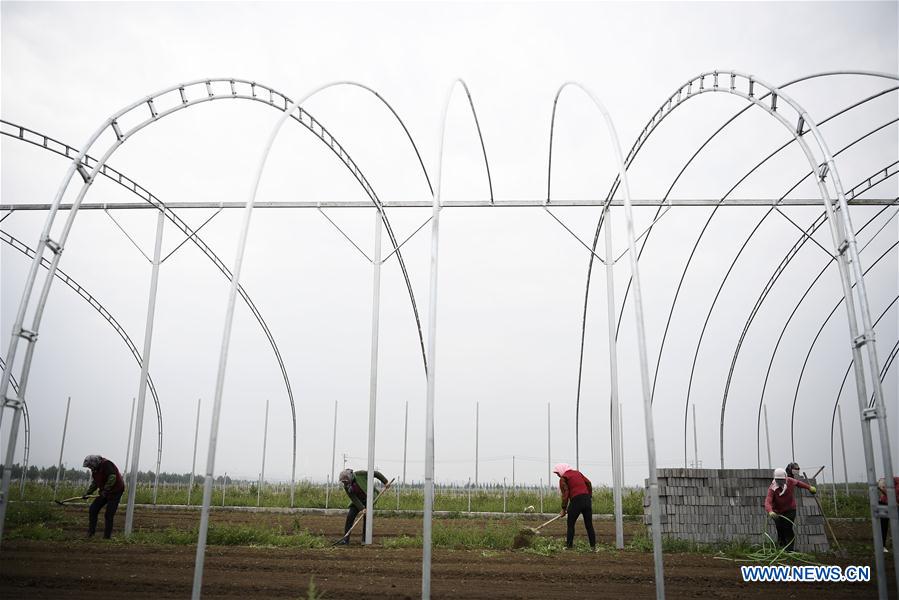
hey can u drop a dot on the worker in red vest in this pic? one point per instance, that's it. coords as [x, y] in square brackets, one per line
[577, 500]
[106, 478]
[885, 523]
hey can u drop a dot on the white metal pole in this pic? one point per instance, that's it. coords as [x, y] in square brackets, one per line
[333, 457]
[767, 437]
[548, 446]
[432, 370]
[843, 448]
[621, 437]
[193, 462]
[144, 373]
[264, 445]
[613, 381]
[128, 446]
[695, 441]
[477, 433]
[405, 441]
[373, 380]
[62, 445]
[469, 494]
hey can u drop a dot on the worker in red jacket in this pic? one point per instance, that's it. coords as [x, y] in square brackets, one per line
[885, 523]
[780, 504]
[577, 500]
[106, 478]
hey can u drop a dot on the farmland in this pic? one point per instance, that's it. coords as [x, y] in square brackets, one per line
[281, 553]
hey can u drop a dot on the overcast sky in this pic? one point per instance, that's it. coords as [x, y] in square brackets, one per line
[511, 280]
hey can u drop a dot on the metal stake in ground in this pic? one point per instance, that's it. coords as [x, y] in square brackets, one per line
[62, 445]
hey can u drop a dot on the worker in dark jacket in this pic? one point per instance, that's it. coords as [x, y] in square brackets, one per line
[355, 484]
[780, 504]
[885, 523]
[793, 470]
[107, 479]
[577, 500]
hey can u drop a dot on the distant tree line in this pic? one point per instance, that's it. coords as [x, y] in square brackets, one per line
[35, 473]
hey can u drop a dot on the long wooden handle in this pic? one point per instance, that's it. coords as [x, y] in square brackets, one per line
[547, 523]
[821, 508]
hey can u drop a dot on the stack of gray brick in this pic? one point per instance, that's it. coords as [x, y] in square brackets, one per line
[724, 505]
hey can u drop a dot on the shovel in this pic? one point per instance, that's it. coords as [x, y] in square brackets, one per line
[63, 502]
[362, 513]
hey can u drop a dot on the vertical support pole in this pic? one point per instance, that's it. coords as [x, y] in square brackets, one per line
[469, 494]
[477, 432]
[62, 445]
[264, 445]
[333, 456]
[548, 446]
[696, 440]
[843, 448]
[373, 380]
[513, 472]
[193, 462]
[128, 446]
[767, 436]
[504, 494]
[431, 389]
[405, 445]
[144, 372]
[621, 451]
[613, 380]
[833, 492]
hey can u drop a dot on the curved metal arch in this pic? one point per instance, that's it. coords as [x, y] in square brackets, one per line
[815, 341]
[889, 362]
[641, 333]
[27, 422]
[780, 338]
[798, 245]
[672, 102]
[113, 322]
[858, 190]
[747, 91]
[85, 161]
[752, 233]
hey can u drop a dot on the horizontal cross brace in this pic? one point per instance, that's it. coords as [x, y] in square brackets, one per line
[696, 202]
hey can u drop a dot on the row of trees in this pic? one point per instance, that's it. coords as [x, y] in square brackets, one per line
[35, 473]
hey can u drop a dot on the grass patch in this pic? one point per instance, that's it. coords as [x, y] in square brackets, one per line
[403, 541]
[30, 514]
[490, 536]
[36, 531]
[228, 535]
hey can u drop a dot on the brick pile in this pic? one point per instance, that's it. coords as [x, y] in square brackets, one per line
[723, 505]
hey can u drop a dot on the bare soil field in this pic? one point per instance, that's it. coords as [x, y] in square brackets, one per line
[79, 568]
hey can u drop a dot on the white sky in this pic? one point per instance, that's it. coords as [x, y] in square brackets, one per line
[511, 280]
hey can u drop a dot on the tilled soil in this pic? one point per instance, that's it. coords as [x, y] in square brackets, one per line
[88, 569]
